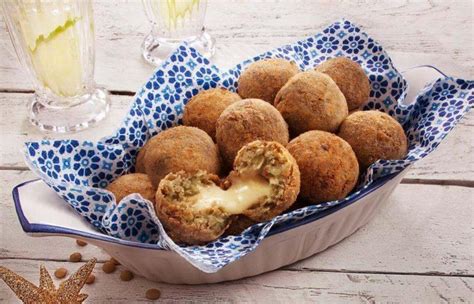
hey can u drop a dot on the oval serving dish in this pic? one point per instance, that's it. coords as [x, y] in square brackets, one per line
[43, 213]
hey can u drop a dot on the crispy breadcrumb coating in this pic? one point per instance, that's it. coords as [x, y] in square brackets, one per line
[328, 166]
[350, 78]
[245, 121]
[263, 79]
[374, 135]
[132, 183]
[203, 110]
[311, 101]
[181, 148]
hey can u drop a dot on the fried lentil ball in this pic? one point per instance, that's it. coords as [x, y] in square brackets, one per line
[350, 78]
[140, 160]
[263, 79]
[196, 208]
[181, 148]
[273, 162]
[374, 135]
[245, 121]
[203, 110]
[328, 166]
[174, 200]
[239, 224]
[311, 101]
[132, 183]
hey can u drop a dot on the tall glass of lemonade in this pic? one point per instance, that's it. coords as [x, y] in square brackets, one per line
[54, 40]
[175, 21]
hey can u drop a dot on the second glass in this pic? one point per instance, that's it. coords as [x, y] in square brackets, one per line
[175, 21]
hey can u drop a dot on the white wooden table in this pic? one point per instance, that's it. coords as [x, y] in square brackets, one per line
[413, 251]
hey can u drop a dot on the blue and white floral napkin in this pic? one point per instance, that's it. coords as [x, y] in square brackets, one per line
[78, 171]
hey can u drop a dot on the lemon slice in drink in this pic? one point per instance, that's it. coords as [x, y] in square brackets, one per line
[53, 42]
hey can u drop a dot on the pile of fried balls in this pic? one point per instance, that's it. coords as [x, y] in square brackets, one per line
[286, 139]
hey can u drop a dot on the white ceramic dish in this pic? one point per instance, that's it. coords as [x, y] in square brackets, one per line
[43, 213]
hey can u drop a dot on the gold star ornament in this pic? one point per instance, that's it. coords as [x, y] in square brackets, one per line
[46, 292]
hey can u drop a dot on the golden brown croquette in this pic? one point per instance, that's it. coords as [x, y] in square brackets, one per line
[181, 148]
[203, 110]
[328, 166]
[263, 79]
[176, 195]
[350, 78]
[198, 208]
[132, 183]
[271, 161]
[245, 121]
[374, 135]
[311, 101]
[239, 224]
[140, 160]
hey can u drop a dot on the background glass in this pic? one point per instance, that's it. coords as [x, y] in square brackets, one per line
[175, 21]
[54, 40]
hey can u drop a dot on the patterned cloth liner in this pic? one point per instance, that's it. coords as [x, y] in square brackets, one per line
[78, 171]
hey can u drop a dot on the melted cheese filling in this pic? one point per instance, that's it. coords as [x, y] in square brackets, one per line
[244, 192]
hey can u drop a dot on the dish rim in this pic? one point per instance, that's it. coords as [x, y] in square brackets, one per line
[53, 229]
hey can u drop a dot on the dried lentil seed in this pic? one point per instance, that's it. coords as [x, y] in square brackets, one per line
[90, 279]
[75, 257]
[81, 243]
[126, 275]
[108, 267]
[60, 273]
[153, 294]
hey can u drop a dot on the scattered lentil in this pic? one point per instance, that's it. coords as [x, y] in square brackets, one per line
[75, 257]
[60, 273]
[108, 267]
[81, 243]
[114, 261]
[90, 279]
[126, 275]
[153, 294]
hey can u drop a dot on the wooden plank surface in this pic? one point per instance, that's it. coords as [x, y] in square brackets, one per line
[454, 159]
[281, 286]
[16, 129]
[435, 32]
[419, 249]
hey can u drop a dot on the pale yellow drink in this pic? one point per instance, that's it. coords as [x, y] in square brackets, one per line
[174, 22]
[53, 43]
[174, 14]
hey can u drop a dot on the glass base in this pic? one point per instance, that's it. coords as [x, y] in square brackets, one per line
[156, 49]
[85, 111]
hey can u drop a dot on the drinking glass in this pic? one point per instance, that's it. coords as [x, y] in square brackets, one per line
[175, 21]
[54, 41]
